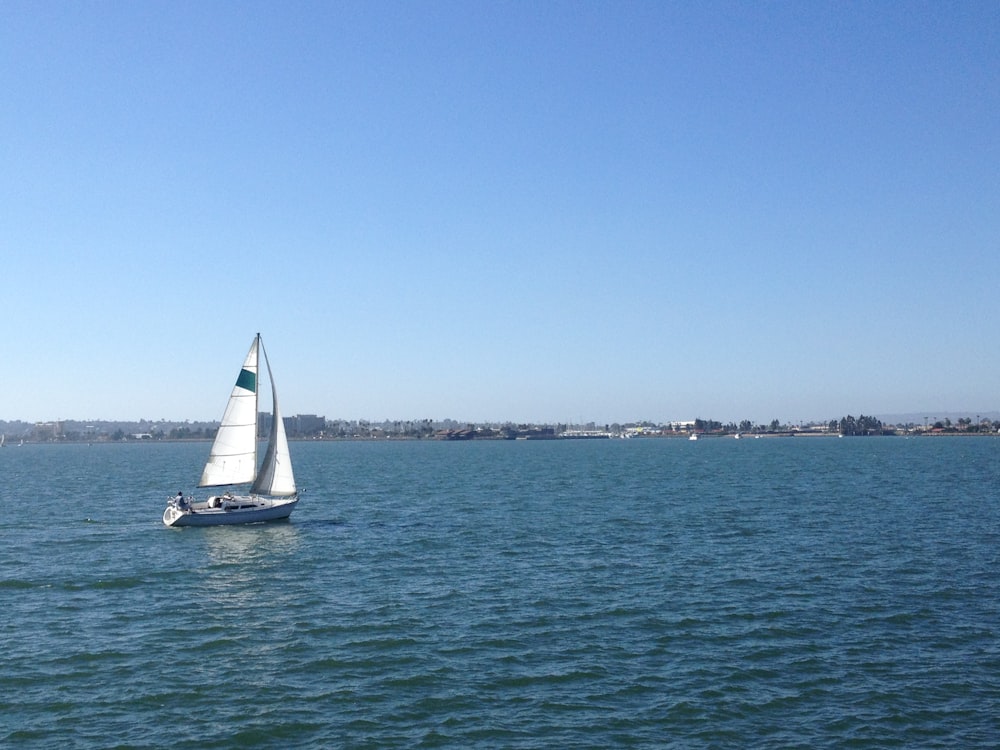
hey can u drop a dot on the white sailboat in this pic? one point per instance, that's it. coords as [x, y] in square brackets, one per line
[233, 461]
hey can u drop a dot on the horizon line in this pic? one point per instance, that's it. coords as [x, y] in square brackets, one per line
[908, 415]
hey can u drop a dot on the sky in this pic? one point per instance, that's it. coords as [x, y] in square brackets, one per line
[491, 211]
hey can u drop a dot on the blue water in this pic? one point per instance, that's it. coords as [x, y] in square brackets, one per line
[642, 593]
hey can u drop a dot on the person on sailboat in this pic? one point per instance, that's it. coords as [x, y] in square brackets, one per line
[180, 501]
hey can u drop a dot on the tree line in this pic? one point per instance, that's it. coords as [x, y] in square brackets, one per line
[861, 426]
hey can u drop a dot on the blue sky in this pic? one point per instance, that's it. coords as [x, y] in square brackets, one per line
[544, 211]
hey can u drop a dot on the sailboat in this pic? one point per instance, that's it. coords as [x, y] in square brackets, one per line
[232, 461]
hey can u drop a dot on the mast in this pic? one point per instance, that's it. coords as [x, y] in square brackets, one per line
[256, 412]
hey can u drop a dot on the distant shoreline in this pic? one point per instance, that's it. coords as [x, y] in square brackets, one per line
[494, 438]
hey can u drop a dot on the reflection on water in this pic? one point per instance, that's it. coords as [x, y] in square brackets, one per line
[238, 557]
[253, 544]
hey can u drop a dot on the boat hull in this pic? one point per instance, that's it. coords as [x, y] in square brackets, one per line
[276, 510]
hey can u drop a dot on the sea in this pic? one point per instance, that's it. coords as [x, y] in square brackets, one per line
[645, 593]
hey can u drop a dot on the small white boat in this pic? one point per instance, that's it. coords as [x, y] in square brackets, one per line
[233, 461]
[694, 436]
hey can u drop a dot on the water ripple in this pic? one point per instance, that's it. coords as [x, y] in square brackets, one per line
[603, 594]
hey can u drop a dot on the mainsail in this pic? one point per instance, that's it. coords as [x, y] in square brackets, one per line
[275, 477]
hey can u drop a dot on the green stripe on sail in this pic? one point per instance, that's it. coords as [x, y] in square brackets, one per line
[247, 380]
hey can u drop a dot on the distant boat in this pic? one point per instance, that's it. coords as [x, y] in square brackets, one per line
[694, 436]
[736, 436]
[233, 461]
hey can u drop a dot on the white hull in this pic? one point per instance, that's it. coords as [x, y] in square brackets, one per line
[237, 510]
